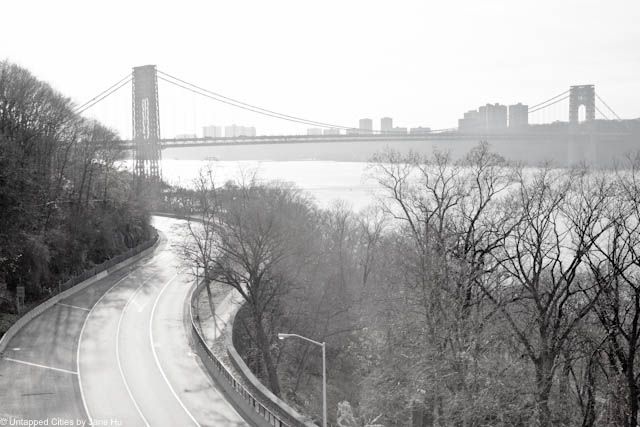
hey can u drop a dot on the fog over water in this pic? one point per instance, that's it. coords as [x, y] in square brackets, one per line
[325, 181]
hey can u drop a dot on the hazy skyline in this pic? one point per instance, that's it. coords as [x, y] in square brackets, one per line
[422, 63]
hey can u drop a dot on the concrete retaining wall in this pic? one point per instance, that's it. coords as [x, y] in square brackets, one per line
[99, 272]
[242, 399]
[287, 413]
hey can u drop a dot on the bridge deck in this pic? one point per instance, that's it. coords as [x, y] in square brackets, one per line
[305, 139]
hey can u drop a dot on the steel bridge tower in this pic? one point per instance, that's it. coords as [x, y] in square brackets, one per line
[146, 124]
[582, 95]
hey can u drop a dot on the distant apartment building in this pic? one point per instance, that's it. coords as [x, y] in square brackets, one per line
[494, 116]
[366, 126]
[314, 131]
[331, 131]
[419, 131]
[518, 116]
[490, 117]
[469, 122]
[236, 130]
[399, 131]
[212, 131]
[186, 136]
[386, 124]
[353, 131]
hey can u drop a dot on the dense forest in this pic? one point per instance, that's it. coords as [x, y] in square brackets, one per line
[65, 206]
[476, 292]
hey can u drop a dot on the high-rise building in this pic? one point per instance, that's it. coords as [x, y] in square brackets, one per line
[490, 117]
[365, 126]
[314, 131]
[386, 124]
[493, 116]
[236, 130]
[518, 116]
[470, 122]
[212, 131]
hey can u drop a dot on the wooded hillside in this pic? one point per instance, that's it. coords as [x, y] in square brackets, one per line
[64, 204]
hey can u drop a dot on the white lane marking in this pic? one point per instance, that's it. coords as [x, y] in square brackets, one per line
[73, 306]
[155, 355]
[84, 400]
[126, 383]
[66, 371]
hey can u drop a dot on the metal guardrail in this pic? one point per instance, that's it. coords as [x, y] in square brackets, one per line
[220, 372]
[107, 264]
[284, 410]
[240, 394]
[76, 284]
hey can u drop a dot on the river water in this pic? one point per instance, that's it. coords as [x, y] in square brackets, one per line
[324, 181]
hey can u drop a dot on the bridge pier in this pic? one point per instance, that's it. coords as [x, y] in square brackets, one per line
[146, 125]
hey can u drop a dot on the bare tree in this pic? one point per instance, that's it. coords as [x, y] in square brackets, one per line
[615, 267]
[255, 241]
[448, 214]
[199, 248]
[543, 293]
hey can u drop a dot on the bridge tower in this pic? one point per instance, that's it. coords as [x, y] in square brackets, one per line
[146, 124]
[578, 96]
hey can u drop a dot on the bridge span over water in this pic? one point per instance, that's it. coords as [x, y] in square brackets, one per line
[561, 148]
[562, 142]
[306, 139]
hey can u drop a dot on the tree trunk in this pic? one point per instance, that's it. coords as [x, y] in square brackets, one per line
[544, 368]
[263, 344]
[589, 411]
[106, 184]
[89, 187]
[564, 395]
[301, 367]
[632, 398]
[212, 307]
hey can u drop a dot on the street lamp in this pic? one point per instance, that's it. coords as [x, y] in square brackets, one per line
[324, 371]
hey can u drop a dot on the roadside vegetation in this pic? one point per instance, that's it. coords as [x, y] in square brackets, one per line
[64, 205]
[475, 293]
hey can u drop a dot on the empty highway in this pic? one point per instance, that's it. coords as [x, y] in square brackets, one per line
[116, 353]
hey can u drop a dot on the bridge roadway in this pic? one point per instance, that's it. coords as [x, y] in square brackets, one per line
[116, 352]
[309, 139]
[433, 136]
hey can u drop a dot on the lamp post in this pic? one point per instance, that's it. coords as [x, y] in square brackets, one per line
[324, 371]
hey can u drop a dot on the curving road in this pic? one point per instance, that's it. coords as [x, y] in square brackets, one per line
[116, 353]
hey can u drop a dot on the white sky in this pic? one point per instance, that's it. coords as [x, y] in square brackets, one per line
[420, 62]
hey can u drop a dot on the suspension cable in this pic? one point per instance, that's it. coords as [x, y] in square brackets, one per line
[80, 111]
[534, 107]
[128, 76]
[532, 110]
[609, 108]
[601, 113]
[206, 95]
[250, 107]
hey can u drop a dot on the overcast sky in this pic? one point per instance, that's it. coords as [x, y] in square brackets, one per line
[421, 62]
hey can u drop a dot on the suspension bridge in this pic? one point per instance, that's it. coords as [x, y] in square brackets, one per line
[147, 143]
